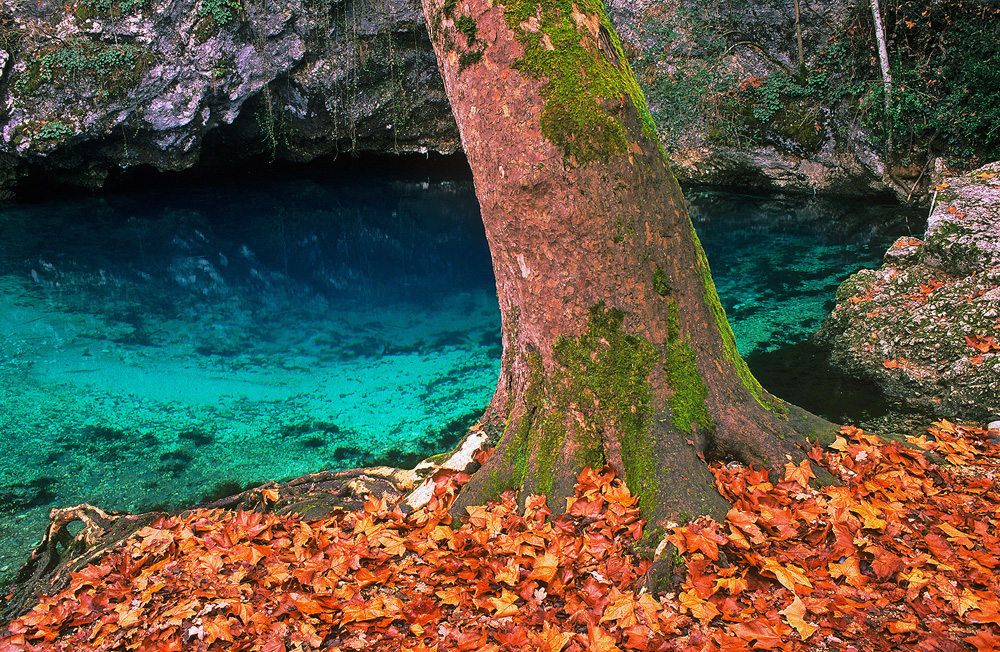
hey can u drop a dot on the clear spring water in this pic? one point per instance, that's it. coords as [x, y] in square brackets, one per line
[158, 346]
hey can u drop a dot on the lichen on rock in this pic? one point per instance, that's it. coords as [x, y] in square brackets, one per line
[926, 325]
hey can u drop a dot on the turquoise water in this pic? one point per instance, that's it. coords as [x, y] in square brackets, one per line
[157, 347]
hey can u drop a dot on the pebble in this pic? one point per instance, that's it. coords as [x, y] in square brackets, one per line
[994, 425]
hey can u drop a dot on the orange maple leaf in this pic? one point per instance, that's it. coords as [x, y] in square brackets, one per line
[789, 576]
[798, 473]
[984, 641]
[598, 640]
[981, 343]
[505, 605]
[870, 514]
[885, 564]
[552, 638]
[849, 569]
[453, 595]
[795, 614]
[544, 568]
[621, 612]
[988, 612]
[764, 634]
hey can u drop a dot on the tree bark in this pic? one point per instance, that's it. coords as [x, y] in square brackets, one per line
[616, 348]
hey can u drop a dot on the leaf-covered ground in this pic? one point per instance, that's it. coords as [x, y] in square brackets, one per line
[900, 555]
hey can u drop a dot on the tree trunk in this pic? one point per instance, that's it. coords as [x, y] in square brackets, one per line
[616, 348]
[798, 40]
[883, 56]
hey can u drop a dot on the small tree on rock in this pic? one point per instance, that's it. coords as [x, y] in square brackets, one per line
[616, 349]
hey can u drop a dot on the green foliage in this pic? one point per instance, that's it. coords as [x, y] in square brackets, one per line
[112, 8]
[945, 65]
[768, 95]
[222, 12]
[695, 91]
[54, 130]
[113, 66]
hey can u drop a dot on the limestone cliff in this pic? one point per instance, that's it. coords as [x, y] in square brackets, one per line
[94, 86]
[97, 85]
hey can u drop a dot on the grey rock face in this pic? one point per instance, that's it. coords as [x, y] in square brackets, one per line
[926, 325]
[97, 85]
[963, 237]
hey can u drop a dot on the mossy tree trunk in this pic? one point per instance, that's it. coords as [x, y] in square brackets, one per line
[616, 348]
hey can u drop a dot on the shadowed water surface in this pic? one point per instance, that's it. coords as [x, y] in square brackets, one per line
[157, 346]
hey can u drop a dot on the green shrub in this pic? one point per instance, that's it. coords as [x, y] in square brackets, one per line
[222, 12]
[112, 8]
[945, 64]
[54, 130]
[945, 60]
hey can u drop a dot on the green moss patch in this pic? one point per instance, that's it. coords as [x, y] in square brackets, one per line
[605, 375]
[580, 81]
[687, 404]
[660, 284]
[602, 375]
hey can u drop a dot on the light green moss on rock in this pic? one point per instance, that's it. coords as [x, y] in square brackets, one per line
[580, 82]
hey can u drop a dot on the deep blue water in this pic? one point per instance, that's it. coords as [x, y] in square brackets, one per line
[155, 344]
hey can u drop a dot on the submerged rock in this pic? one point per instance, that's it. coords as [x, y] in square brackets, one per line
[926, 325]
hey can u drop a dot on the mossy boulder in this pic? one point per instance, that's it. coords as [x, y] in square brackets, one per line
[926, 325]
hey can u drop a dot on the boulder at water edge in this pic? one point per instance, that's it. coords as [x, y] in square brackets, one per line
[926, 325]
